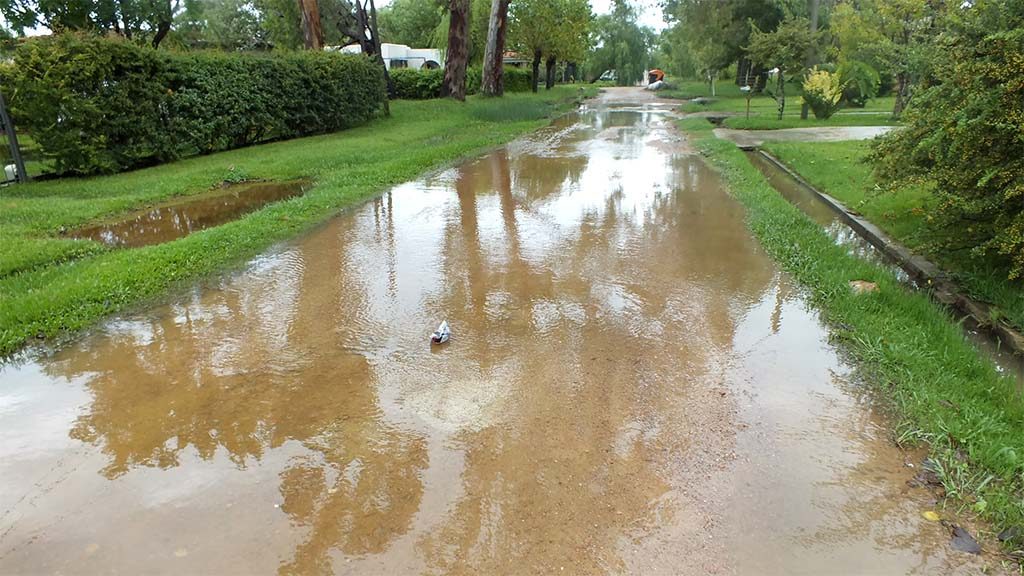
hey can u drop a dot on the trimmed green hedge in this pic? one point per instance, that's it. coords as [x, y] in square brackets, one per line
[419, 84]
[423, 84]
[516, 80]
[102, 105]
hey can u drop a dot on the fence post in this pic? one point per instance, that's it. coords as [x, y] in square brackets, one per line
[12, 141]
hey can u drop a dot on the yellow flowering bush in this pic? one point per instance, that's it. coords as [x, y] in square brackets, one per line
[823, 92]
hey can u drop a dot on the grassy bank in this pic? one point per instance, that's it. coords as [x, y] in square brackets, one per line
[838, 169]
[942, 391]
[51, 285]
[764, 110]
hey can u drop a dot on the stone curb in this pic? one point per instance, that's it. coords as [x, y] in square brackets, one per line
[940, 286]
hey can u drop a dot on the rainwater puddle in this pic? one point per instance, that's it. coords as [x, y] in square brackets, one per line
[180, 218]
[631, 387]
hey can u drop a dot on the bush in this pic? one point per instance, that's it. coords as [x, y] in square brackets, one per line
[516, 80]
[823, 92]
[860, 82]
[963, 132]
[101, 105]
[417, 84]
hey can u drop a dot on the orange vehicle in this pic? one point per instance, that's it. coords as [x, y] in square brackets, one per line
[655, 76]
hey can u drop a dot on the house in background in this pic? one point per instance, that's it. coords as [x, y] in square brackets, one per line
[401, 56]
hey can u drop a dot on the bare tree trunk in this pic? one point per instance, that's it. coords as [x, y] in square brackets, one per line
[812, 57]
[782, 95]
[493, 82]
[902, 93]
[162, 28]
[458, 51]
[312, 33]
[536, 71]
[549, 77]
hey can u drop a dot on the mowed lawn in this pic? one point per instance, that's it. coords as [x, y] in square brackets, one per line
[52, 285]
[839, 168]
[764, 110]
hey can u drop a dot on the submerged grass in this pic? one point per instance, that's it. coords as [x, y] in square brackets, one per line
[50, 285]
[909, 348]
[838, 168]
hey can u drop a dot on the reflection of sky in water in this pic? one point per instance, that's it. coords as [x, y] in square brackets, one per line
[602, 290]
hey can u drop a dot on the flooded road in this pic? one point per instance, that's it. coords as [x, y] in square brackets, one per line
[631, 387]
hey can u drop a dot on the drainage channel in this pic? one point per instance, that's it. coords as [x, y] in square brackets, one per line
[811, 204]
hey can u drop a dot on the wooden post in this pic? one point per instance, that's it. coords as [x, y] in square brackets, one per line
[12, 141]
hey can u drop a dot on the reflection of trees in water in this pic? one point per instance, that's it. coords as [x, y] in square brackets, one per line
[358, 499]
[580, 466]
[248, 368]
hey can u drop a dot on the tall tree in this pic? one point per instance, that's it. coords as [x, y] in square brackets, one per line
[458, 50]
[411, 22]
[620, 44]
[785, 50]
[532, 29]
[493, 81]
[814, 7]
[146, 21]
[312, 33]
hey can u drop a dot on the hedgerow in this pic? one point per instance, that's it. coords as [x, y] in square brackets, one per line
[103, 105]
[423, 84]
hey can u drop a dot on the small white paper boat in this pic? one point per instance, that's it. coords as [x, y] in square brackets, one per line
[442, 334]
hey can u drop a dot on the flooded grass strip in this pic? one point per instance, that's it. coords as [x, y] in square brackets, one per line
[945, 393]
[57, 298]
[179, 218]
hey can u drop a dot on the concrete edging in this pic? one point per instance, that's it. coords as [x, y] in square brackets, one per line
[940, 286]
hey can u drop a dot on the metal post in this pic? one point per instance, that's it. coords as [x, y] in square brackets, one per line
[12, 141]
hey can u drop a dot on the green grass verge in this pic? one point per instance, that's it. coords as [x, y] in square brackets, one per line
[50, 285]
[841, 119]
[763, 109]
[942, 390]
[838, 168]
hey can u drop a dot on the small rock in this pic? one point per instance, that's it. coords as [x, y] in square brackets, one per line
[964, 542]
[863, 287]
[1011, 533]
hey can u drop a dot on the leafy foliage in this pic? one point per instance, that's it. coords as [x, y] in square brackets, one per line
[860, 82]
[413, 84]
[784, 50]
[823, 92]
[964, 133]
[412, 22]
[516, 80]
[98, 105]
[620, 44]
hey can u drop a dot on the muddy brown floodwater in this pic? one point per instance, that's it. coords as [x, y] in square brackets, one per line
[181, 217]
[631, 387]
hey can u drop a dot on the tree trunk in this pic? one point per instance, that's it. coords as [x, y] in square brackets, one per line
[902, 93]
[536, 71]
[493, 82]
[458, 51]
[549, 76]
[812, 56]
[782, 95]
[312, 33]
[162, 28]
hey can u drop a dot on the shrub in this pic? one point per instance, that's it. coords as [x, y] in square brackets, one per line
[417, 84]
[860, 82]
[963, 132]
[823, 92]
[100, 105]
[516, 80]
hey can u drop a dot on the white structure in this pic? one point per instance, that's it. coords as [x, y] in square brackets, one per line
[401, 56]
